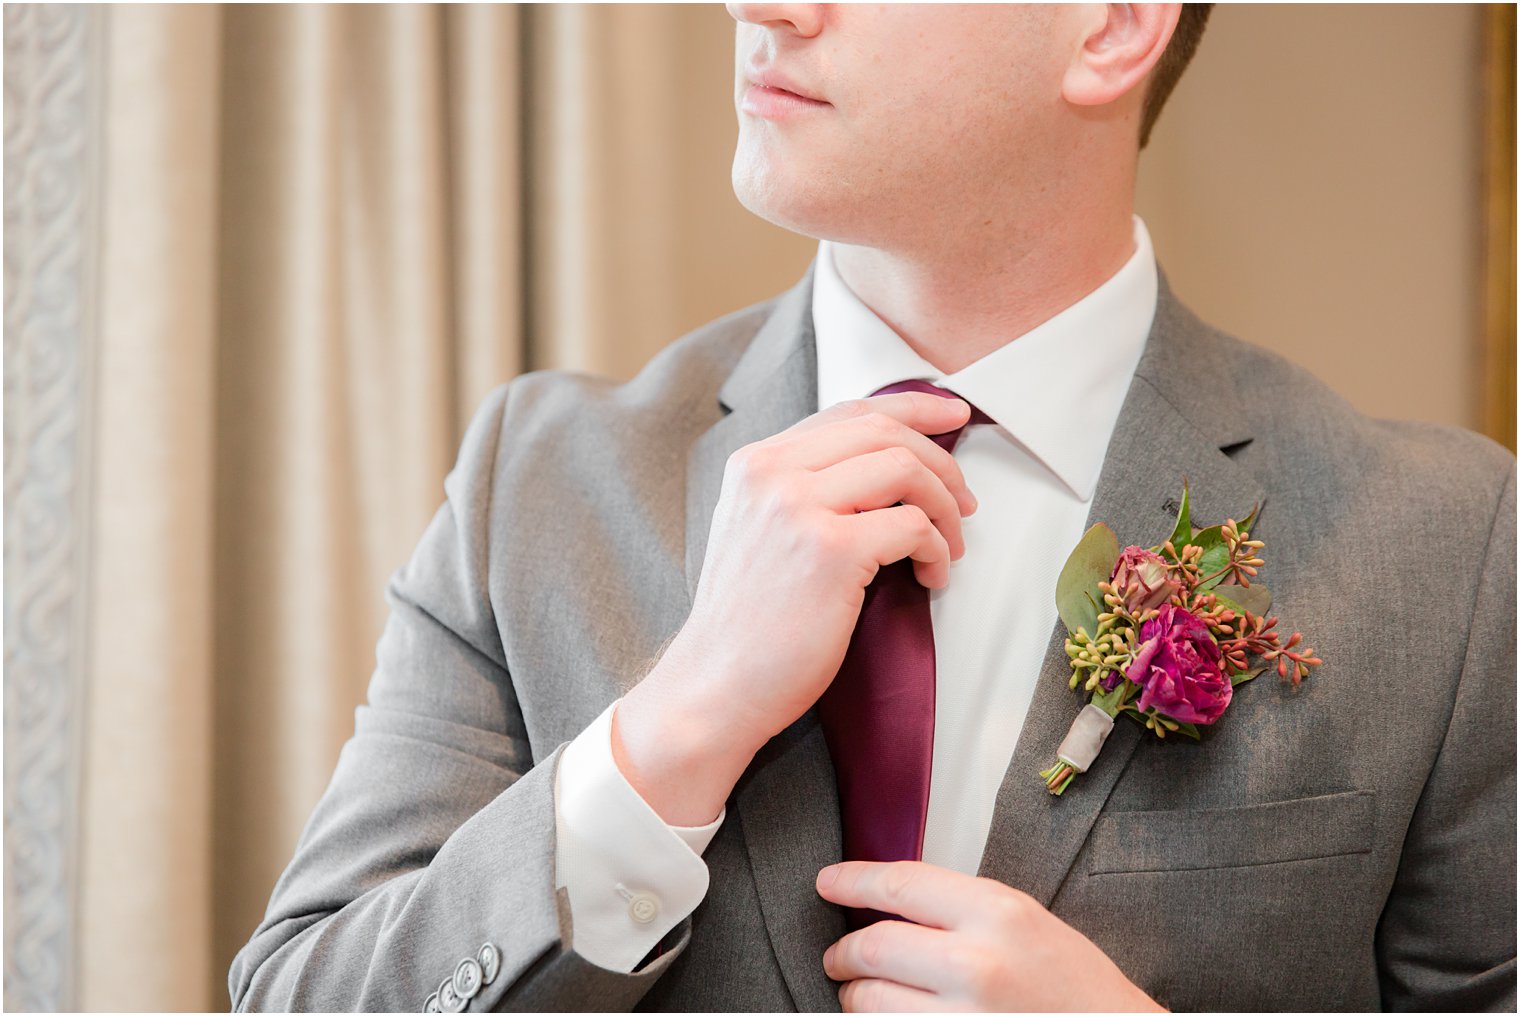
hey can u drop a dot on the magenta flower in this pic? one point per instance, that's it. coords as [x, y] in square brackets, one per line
[1141, 580]
[1178, 668]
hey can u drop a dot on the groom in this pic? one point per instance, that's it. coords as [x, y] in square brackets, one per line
[610, 756]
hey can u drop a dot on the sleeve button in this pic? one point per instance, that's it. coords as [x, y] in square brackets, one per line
[467, 978]
[644, 907]
[449, 1000]
[489, 959]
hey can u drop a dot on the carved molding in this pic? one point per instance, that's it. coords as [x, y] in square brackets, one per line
[51, 150]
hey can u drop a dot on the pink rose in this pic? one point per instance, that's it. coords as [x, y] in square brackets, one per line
[1141, 580]
[1178, 668]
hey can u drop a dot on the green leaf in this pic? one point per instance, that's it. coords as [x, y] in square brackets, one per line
[1091, 562]
[1254, 598]
[1110, 701]
[1190, 729]
[1207, 539]
[1248, 675]
[1183, 531]
[1244, 525]
[1215, 555]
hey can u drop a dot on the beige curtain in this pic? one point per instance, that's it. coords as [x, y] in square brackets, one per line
[262, 263]
[309, 254]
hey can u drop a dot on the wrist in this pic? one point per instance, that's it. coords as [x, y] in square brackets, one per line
[678, 752]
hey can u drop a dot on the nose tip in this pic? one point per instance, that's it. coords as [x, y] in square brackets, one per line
[804, 19]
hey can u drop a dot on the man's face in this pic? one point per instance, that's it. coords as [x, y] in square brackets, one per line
[929, 112]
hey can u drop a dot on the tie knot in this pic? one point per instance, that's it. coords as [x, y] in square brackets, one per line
[948, 439]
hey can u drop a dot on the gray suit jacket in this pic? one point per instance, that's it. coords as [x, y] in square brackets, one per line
[1349, 844]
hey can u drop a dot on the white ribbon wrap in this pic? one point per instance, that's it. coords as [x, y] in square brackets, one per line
[1085, 738]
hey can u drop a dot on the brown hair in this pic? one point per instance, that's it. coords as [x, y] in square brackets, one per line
[1174, 60]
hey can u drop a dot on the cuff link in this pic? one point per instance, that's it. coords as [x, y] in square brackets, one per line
[472, 974]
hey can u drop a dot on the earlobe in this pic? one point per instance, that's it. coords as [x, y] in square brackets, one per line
[1118, 51]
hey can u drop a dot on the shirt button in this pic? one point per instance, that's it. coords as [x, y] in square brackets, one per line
[644, 907]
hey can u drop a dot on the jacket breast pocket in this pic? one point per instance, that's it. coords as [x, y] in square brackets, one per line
[1330, 825]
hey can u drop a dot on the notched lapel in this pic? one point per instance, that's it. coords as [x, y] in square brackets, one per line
[787, 803]
[1162, 435]
[773, 385]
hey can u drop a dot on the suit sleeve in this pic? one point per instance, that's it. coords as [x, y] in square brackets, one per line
[1446, 940]
[436, 837]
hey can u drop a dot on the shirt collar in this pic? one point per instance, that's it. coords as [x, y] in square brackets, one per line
[1056, 390]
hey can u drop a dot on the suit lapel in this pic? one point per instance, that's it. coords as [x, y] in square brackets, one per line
[1175, 423]
[787, 803]
[773, 385]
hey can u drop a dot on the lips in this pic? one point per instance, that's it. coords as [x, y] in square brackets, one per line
[771, 77]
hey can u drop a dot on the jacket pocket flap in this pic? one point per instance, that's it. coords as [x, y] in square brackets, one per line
[1325, 826]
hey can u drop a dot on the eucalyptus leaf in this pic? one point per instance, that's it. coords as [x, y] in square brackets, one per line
[1215, 555]
[1248, 675]
[1255, 598]
[1110, 701]
[1190, 729]
[1207, 539]
[1091, 562]
[1183, 531]
[1245, 524]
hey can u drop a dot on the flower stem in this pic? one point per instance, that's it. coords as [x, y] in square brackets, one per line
[1058, 777]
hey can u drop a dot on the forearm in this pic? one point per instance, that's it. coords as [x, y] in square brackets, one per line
[681, 752]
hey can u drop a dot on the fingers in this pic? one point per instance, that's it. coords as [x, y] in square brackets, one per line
[924, 412]
[880, 479]
[891, 534]
[866, 425]
[873, 995]
[907, 954]
[923, 893]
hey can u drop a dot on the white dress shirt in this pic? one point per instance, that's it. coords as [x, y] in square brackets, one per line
[1054, 395]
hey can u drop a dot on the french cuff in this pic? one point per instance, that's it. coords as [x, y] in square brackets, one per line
[630, 876]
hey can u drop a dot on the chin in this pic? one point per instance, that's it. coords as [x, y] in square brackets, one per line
[800, 196]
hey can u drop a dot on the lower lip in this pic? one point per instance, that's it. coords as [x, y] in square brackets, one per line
[776, 103]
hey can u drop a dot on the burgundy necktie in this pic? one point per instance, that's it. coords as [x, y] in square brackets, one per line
[878, 714]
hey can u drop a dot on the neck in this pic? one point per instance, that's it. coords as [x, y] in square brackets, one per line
[969, 292]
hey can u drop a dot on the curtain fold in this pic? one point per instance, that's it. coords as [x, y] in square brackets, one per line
[146, 805]
[342, 374]
[322, 228]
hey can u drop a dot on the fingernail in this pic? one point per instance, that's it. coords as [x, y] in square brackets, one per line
[828, 956]
[827, 876]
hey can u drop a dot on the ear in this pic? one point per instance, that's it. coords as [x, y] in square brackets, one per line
[1119, 46]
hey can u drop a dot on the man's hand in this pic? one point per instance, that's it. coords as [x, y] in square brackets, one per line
[976, 945]
[803, 521]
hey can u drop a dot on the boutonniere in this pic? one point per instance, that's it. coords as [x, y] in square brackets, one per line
[1165, 634]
